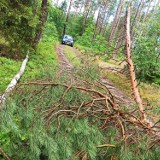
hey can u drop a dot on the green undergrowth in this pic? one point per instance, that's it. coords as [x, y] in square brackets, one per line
[119, 80]
[26, 136]
[88, 50]
[151, 97]
[42, 63]
[8, 69]
[151, 92]
[26, 132]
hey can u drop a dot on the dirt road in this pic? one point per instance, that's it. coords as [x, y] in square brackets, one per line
[66, 66]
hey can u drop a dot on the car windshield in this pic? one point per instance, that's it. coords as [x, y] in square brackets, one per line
[67, 37]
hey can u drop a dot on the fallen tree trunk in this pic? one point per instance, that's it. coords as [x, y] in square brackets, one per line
[14, 81]
[131, 68]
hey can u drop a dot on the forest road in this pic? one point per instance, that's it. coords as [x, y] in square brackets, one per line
[65, 65]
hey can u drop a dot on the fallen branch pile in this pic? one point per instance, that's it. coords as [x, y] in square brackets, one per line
[96, 103]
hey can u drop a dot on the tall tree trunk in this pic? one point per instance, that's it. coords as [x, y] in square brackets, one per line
[116, 20]
[67, 17]
[94, 11]
[97, 23]
[120, 40]
[42, 20]
[149, 5]
[106, 24]
[132, 70]
[86, 11]
[57, 2]
[137, 18]
[103, 16]
[133, 4]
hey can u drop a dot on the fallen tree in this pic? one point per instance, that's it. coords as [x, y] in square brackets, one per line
[97, 104]
[14, 81]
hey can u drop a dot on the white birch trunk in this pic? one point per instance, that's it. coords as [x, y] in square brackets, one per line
[14, 81]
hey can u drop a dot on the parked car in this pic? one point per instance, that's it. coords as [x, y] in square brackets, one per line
[67, 39]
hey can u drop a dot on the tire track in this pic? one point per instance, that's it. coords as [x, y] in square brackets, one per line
[65, 66]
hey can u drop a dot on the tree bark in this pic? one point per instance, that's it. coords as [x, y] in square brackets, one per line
[106, 24]
[42, 20]
[132, 70]
[137, 19]
[97, 23]
[149, 5]
[86, 11]
[67, 17]
[120, 39]
[116, 20]
[103, 16]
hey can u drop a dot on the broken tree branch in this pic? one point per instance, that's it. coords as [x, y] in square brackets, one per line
[4, 154]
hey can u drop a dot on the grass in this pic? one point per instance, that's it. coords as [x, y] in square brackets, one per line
[83, 48]
[72, 56]
[119, 80]
[8, 69]
[150, 93]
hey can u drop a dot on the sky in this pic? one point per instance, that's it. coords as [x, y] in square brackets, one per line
[60, 1]
[96, 13]
[72, 9]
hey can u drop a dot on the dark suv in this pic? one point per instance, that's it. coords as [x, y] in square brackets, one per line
[67, 39]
